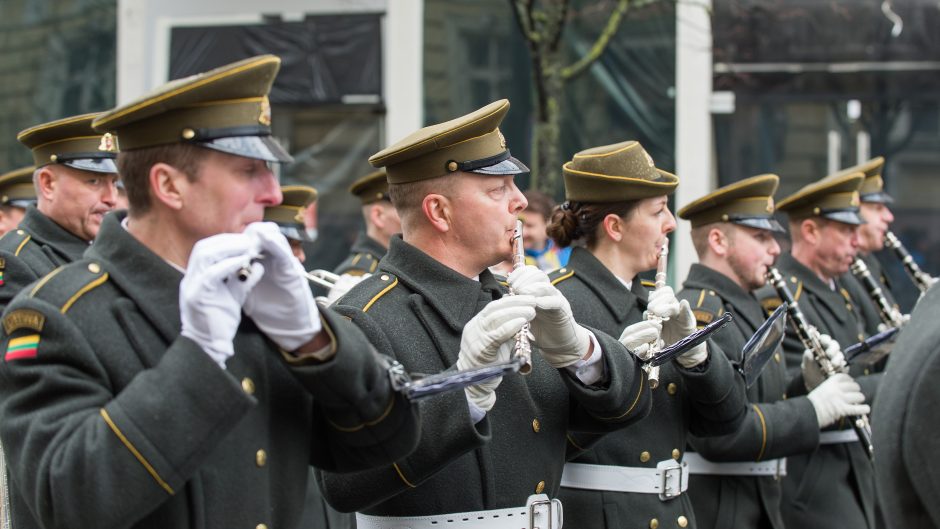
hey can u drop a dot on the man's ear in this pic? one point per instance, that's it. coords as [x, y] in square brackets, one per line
[718, 242]
[168, 185]
[613, 227]
[810, 231]
[437, 209]
[46, 182]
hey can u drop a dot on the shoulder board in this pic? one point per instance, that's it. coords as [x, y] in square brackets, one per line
[14, 241]
[706, 305]
[358, 264]
[560, 275]
[770, 304]
[67, 284]
[370, 290]
[647, 283]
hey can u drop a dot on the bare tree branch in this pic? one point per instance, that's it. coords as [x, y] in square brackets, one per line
[522, 11]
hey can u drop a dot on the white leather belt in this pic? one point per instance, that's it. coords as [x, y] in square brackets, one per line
[700, 465]
[539, 512]
[669, 479]
[838, 436]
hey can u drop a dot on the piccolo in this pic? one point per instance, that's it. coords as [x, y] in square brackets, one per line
[889, 314]
[655, 346]
[920, 278]
[809, 336]
[522, 349]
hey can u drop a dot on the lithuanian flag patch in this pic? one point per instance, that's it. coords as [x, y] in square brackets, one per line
[22, 347]
[1, 278]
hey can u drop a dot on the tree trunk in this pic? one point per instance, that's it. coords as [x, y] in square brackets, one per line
[546, 174]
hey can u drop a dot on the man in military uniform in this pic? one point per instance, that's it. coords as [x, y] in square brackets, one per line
[906, 446]
[17, 193]
[381, 224]
[289, 216]
[74, 180]
[496, 451]
[833, 486]
[181, 373]
[735, 479]
[874, 210]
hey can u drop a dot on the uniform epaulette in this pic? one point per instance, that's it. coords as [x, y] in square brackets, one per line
[65, 285]
[370, 290]
[365, 261]
[560, 275]
[648, 283]
[705, 304]
[14, 241]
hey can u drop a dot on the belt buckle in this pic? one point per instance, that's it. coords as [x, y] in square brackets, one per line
[534, 509]
[672, 466]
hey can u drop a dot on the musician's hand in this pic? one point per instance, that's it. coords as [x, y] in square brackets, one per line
[343, 285]
[838, 396]
[685, 324]
[281, 304]
[560, 339]
[813, 374]
[488, 338]
[662, 303]
[639, 336]
[211, 296]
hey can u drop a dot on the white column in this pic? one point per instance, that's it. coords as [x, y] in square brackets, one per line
[694, 164]
[403, 68]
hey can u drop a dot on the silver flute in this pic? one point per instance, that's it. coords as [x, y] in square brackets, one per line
[522, 349]
[656, 345]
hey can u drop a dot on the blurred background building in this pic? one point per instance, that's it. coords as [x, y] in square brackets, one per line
[715, 90]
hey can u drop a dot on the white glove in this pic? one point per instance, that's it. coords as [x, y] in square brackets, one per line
[838, 396]
[663, 303]
[281, 304]
[560, 339]
[211, 296]
[343, 285]
[680, 326]
[488, 339]
[638, 337]
[812, 373]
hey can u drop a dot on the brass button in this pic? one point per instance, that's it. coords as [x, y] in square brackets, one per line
[683, 521]
[94, 268]
[261, 457]
[261, 526]
[777, 357]
[711, 292]
[563, 270]
[452, 166]
[540, 487]
[793, 279]
[536, 426]
[19, 232]
[644, 456]
[188, 133]
[676, 454]
[848, 307]
[867, 371]
[248, 385]
[861, 337]
[672, 388]
[654, 523]
[53, 158]
[784, 396]
[384, 277]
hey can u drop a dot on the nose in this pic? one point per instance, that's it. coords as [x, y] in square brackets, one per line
[518, 201]
[670, 224]
[774, 249]
[889, 217]
[109, 193]
[270, 192]
[853, 239]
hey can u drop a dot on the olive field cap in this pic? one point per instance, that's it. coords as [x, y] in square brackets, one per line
[289, 214]
[873, 188]
[615, 173]
[470, 143]
[372, 187]
[73, 142]
[225, 109]
[17, 189]
[749, 202]
[834, 197]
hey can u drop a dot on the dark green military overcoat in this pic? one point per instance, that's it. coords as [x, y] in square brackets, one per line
[113, 419]
[36, 247]
[415, 309]
[706, 400]
[832, 486]
[364, 257]
[775, 427]
[906, 444]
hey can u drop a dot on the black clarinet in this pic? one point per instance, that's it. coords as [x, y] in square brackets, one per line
[920, 278]
[809, 336]
[889, 314]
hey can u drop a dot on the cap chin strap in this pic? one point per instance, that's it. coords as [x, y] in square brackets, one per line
[484, 162]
